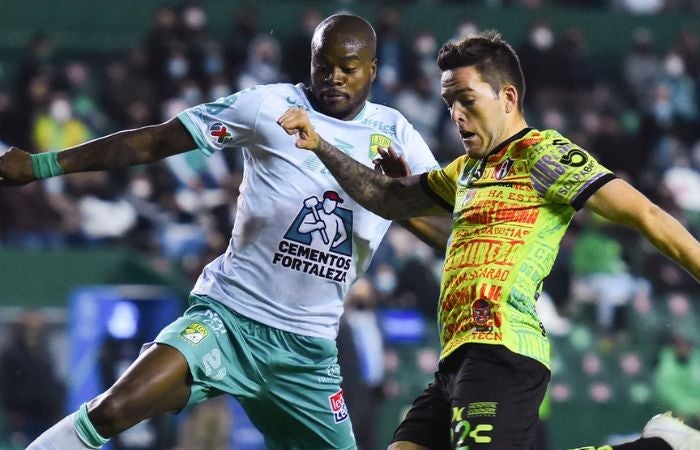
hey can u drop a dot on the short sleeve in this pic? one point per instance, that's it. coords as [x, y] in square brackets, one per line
[563, 173]
[441, 184]
[419, 157]
[226, 122]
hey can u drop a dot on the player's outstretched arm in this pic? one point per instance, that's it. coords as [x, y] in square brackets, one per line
[391, 198]
[619, 202]
[122, 149]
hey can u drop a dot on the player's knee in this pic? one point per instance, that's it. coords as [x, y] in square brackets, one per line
[111, 413]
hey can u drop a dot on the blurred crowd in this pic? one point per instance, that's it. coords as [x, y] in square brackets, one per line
[641, 119]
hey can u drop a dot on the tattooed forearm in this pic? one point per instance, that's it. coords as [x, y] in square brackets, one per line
[391, 198]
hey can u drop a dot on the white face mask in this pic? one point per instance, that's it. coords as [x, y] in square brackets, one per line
[467, 29]
[674, 65]
[542, 38]
[426, 45]
[61, 110]
[385, 281]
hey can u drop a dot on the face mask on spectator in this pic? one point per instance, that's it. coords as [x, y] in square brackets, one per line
[177, 67]
[192, 95]
[542, 38]
[218, 91]
[385, 282]
[60, 110]
[674, 65]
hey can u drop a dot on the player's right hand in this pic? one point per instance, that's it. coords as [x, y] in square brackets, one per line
[15, 167]
[295, 121]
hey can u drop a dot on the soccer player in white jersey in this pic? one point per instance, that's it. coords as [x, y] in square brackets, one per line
[263, 316]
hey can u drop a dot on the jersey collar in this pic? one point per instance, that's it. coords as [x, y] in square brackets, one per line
[505, 144]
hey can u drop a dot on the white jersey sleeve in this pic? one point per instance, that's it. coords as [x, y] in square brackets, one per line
[226, 122]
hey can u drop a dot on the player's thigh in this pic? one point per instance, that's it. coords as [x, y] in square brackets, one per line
[427, 423]
[213, 341]
[156, 383]
[496, 399]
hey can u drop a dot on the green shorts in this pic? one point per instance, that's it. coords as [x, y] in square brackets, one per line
[288, 384]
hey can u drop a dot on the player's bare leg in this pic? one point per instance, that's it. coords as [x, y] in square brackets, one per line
[157, 382]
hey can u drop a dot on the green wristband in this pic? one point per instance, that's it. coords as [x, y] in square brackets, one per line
[45, 165]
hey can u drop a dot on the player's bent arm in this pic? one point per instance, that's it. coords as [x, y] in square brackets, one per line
[621, 203]
[390, 198]
[432, 230]
[128, 148]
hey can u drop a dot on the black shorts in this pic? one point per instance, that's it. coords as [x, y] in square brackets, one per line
[483, 397]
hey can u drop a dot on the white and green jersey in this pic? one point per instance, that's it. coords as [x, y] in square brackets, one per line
[298, 240]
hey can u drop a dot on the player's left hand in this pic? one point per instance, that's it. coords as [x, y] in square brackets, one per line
[391, 163]
[296, 121]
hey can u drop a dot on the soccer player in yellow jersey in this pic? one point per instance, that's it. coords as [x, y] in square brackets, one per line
[511, 198]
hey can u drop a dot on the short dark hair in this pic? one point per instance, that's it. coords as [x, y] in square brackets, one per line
[492, 56]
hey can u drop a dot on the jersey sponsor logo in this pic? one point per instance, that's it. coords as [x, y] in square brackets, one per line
[574, 158]
[463, 433]
[375, 141]
[468, 195]
[378, 125]
[219, 133]
[195, 332]
[482, 409]
[319, 240]
[484, 320]
[491, 211]
[338, 406]
[479, 252]
[213, 322]
[503, 169]
[293, 102]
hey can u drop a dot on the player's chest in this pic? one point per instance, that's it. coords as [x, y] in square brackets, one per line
[496, 193]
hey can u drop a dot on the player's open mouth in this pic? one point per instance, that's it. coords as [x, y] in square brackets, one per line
[466, 135]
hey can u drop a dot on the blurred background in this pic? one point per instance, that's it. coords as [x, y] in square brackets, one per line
[92, 265]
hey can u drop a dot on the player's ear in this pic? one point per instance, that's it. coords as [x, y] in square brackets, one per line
[373, 69]
[510, 98]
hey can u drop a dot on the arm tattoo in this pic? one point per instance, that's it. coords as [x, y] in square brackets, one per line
[391, 198]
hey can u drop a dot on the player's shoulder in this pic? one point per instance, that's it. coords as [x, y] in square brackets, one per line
[282, 90]
[385, 120]
[540, 142]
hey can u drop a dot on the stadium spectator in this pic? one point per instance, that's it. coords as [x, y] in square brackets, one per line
[30, 391]
[295, 57]
[677, 378]
[58, 127]
[292, 396]
[364, 386]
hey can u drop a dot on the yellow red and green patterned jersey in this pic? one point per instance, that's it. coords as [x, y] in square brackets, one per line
[510, 212]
